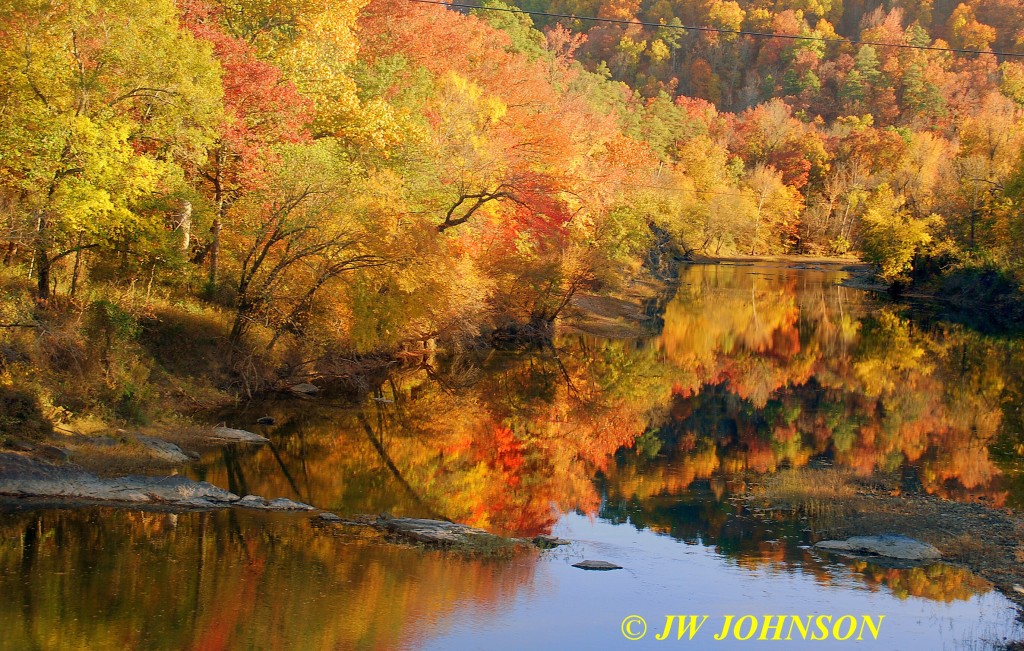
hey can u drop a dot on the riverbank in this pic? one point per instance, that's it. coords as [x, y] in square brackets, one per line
[985, 298]
[128, 450]
[839, 504]
[845, 263]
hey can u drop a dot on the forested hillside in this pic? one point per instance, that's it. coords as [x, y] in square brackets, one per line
[202, 197]
[891, 150]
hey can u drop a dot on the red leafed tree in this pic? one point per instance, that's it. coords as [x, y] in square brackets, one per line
[769, 134]
[527, 137]
[261, 110]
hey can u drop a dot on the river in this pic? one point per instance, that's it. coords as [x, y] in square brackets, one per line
[634, 449]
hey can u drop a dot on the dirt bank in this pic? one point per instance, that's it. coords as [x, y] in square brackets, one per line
[838, 504]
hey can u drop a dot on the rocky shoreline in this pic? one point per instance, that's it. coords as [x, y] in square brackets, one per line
[31, 481]
[986, 540]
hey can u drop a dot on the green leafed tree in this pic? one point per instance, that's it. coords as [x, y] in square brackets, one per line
[101, 98]
[891, 235]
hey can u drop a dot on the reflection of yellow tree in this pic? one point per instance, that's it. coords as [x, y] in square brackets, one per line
[752, 373]
[820, 376]
[236, 581]
[940, 582]
[668, 476]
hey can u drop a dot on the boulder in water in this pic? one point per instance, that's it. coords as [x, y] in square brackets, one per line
[887, 545]
[597, 565]
[233, 435]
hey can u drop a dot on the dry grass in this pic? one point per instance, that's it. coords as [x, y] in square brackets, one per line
[799, 486]
[966, 548]
[126, 457]
[838, 504]
[826, 497]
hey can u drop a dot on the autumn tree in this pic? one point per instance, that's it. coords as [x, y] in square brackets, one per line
[775, 208]
[298, 235]
[102, 99]
[261, 110]
[891, 235]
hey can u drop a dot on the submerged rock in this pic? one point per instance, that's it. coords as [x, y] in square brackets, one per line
[545, 541]
[280, 504]
[305, 389]
[597, 565]
[888, 545]
[233, 435]
[431, 531]
[445, 534]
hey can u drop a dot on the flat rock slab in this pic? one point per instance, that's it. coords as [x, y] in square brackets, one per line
[887, 545]
[280, 504]
[545, 541]
[432, 531]
[597, 565]
[305, 389]
[233, 435]
[24, 476]
[163, 450]
[174, 489]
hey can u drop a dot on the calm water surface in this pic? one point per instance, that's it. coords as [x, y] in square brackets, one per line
[630, 448]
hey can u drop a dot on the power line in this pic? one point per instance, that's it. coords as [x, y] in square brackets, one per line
[669, 188]
[720, 30]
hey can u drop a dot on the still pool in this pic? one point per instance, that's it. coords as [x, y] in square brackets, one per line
[637, 450]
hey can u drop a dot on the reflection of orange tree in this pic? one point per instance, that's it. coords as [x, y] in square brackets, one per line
[815, 377]
[506, 452]
[939, 581]
[236, 581]
[564, 419]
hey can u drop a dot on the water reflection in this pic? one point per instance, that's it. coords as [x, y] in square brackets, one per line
[756, 369]
[793, 369]
[115, 579]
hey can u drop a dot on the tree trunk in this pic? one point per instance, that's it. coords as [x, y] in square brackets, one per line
[12, 250]
[214, 250]
[184, 222]
[42, 259]
[215, 229]
[78, 268]
[243, 319]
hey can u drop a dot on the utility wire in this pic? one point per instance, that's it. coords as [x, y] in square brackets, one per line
[720, 30]
[670, 188]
